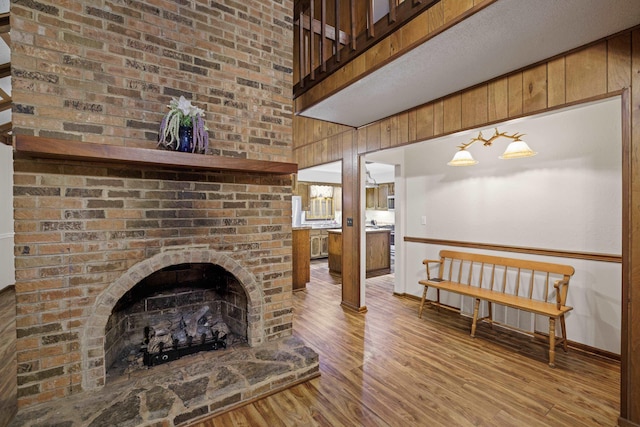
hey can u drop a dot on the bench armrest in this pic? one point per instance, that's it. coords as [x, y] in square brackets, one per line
[562, 288]
[426, 262]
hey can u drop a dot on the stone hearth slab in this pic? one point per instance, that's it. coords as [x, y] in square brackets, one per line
[181, 391]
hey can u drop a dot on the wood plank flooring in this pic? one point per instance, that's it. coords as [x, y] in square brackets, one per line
[388, 368]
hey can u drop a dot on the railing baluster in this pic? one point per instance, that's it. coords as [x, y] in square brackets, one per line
[323, 34]
[336, 39]
[370, 22]
[301, 46]
[392, 11]
[353, 25]
[312, 50]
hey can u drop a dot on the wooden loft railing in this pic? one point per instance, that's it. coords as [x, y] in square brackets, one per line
[330, 33]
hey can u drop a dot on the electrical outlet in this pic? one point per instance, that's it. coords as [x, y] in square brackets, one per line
[423, 220]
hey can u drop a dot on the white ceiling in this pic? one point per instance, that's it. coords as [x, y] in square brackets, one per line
[503, 37]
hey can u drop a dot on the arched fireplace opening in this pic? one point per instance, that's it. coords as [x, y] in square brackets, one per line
[175, 311]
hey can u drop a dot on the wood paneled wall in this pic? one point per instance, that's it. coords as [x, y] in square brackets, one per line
[599, 70]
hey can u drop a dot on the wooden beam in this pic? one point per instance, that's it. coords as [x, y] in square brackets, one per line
[5, 104]
[5, 70]
[5, 22]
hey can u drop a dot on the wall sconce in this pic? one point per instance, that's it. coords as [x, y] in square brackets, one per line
[515, 150]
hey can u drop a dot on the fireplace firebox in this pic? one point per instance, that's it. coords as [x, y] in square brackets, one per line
[176, 311]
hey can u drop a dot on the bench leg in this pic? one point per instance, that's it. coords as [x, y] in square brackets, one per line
[563, 327]
[490, 316]
[552, 342]
[424, 298]
[476, 309]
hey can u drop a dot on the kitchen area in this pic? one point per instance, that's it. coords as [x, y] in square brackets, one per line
[317, 220]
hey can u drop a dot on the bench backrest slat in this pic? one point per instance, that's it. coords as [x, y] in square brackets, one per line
[546, 288]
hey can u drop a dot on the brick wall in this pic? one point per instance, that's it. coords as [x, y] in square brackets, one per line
[103, 72]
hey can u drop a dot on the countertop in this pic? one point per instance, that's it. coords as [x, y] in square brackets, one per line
[367, 230]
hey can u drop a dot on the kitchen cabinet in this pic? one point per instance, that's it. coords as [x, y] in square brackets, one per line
[376, 198]
[319, 243]
[378, 251]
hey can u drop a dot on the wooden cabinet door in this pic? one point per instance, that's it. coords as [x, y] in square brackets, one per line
[383, 191]
[316, 244]
[324, 243]
[371, 198]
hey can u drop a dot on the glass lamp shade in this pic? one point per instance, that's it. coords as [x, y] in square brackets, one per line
[516, 150]
[462, 158]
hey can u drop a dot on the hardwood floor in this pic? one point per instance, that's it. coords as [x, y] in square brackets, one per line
[389, 368]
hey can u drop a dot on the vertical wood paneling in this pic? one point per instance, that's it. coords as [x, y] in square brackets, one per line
[396, 42]
[556, 86]
[412, 122]
[403, 129]
[361, 140]
[619, 62]
[415, 30]
[474, 106]
[454, 8]
[452, 113]
[534, 96]
[514, 83]
[438, 117]
[373, 137]
[587, 72]
[386, 129]
[498, 100]
[631, 371]
[425, 122]
[377, 53]
[436, 17]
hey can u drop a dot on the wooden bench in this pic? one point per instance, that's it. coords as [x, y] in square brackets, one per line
[537, 287]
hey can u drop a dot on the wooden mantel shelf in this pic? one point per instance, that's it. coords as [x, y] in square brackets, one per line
[41, 147]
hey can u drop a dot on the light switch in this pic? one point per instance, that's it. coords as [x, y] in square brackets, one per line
[423, 220]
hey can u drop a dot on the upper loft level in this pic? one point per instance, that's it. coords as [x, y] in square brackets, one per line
[360, 61]
[331, 33]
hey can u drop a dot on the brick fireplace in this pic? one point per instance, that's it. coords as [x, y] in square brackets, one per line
[87, 232]
[86, 235]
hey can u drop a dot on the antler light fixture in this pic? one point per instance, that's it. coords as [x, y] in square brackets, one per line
[515, 150]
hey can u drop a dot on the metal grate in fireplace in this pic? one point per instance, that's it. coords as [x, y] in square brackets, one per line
[175, 311]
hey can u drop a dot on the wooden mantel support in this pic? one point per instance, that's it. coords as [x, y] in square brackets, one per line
[41, 147]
